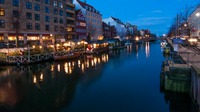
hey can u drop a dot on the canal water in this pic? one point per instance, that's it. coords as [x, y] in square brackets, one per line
[126, 80]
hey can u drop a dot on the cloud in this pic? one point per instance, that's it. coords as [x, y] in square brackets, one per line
[155, 24]
[157, 11]
[151, 21]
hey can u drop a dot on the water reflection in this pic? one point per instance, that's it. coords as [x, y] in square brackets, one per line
[147, 49]
[47, 86]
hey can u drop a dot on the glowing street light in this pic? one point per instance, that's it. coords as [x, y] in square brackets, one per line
[197, 14]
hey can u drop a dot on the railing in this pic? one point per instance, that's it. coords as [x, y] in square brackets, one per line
[25, 59]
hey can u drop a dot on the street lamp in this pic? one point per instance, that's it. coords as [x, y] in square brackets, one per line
[197, 14]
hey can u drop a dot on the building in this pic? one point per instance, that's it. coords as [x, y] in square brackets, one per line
[35, 21]
[108, 31]
[131, 31]
[194, 23]
[80, 25]
[71, 23]
[120, 26]
[93, 19]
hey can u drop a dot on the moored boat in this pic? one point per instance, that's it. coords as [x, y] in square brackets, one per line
[67, 56]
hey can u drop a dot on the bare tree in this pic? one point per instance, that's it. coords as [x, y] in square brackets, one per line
[184, 23]
[91, 30]
[17, 19]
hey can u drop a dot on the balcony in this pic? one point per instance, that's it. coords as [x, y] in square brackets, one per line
[71, 18]
[70, 11]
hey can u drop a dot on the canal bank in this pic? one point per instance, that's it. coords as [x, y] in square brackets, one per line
[191, 58]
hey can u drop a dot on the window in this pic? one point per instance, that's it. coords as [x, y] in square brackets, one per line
[61, 13]
[1, 1]
[55, 11]
[47, 28]
[47, 2]
[47, 19]
[55, 28]
[61, 21]
[29, 26]
[55, 3]
[37, 26]
[15, 13]
[55, 20]
[28, 5]
[37, 7]
[46, 9]
[2, 23]
[37, 0]
[60, 5]
[28, 15]
[2, 12]
[61, 28]
[37, 17]
[16, 3]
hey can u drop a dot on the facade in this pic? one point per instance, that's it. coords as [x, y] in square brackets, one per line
[194, 23]
[80, 25]
[120, 26]
[38, 21]
[93, 19]
[71, 23]
[131, 31]
[108, 31]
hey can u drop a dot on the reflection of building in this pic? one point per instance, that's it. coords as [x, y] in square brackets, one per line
[80, 25]
[70, 15]
[35, 21]
[93, 19]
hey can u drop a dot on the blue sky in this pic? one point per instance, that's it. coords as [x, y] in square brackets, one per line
[156, 15]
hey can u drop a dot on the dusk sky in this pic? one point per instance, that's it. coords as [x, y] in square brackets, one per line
[156, 15]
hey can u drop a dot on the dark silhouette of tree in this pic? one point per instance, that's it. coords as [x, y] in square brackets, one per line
[17, 19]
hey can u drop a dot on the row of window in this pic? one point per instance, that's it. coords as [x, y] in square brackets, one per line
[93, 14]
[80, 24]
[29, 26]
[29, 4]
[81, 30]
[93, 20]
[47, 18]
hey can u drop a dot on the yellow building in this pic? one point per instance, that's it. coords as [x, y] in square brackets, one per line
[93, 19]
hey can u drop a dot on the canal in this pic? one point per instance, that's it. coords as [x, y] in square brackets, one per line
[126, 80]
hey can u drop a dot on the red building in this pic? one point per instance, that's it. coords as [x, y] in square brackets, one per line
[108, 31]
[80, 25]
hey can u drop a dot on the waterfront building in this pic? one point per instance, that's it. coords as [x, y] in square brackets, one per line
[93, 19]
[194, 23]
[131, 31]
[70, 18]
[108, 31]
[119, 25]
[80, 25]
[35, 21]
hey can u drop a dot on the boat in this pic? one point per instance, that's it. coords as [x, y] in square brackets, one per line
[67, 56]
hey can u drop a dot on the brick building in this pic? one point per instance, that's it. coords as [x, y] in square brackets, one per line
[80, 25]
[35, 21]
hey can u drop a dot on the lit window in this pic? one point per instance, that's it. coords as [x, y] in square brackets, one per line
[2, 12]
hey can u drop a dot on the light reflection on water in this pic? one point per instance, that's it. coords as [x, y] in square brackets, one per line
[109, 80]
